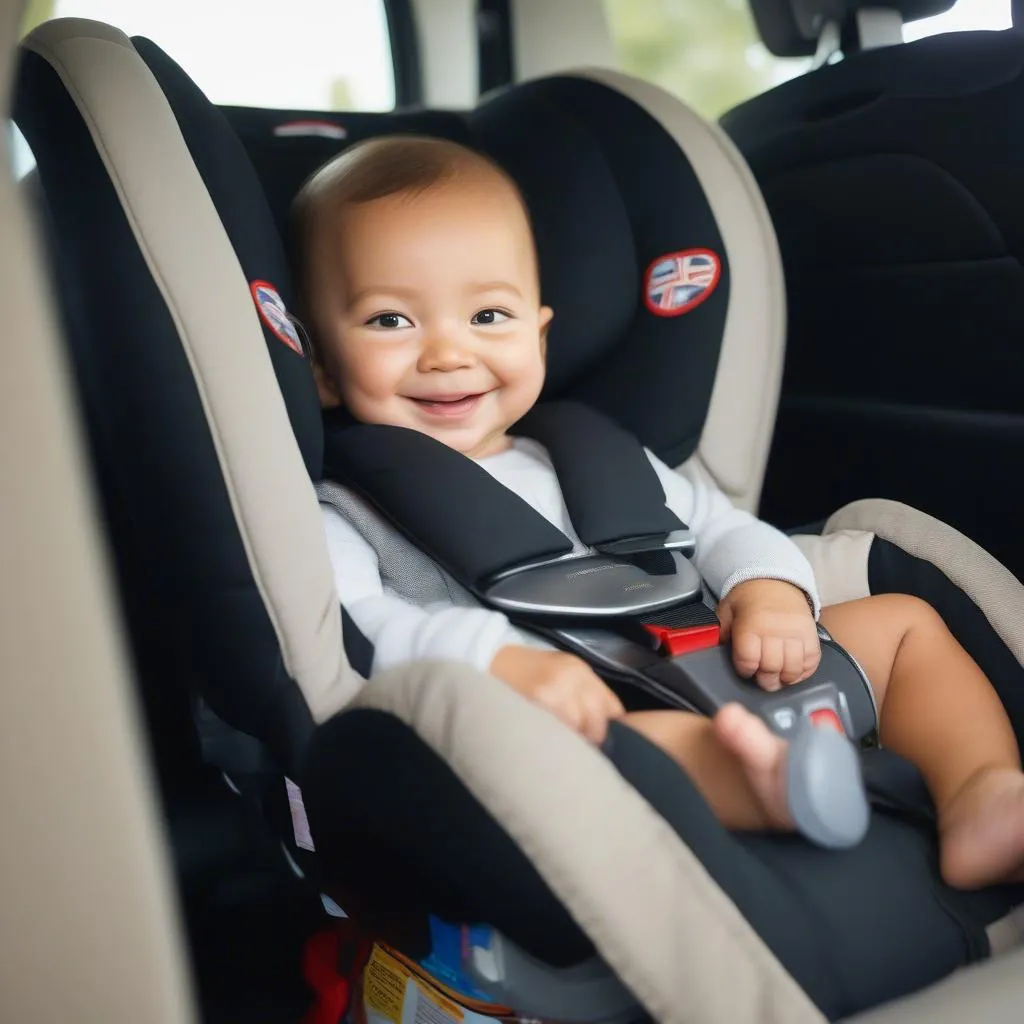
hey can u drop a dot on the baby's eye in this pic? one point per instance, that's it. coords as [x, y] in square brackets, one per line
[489, 316]
[389, 321]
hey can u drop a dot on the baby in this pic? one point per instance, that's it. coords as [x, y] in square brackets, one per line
[420, 286]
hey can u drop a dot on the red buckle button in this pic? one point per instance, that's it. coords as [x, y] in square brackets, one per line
[828, 718]
[682, 641]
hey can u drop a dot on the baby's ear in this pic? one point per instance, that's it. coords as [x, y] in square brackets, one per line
[544, 320]
[326, 389]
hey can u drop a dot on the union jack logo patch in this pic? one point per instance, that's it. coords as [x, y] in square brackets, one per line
[679, 281]
[274, 314]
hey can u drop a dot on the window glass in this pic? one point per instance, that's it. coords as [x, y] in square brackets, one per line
[963, 16]
[303, 55]
[708, 52]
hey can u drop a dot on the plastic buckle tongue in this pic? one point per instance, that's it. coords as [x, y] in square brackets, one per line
[674, 641]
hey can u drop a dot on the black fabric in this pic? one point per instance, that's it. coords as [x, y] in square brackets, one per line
[684, 616]
[790, 28]
[149, 431]
[854, 928]
[445, 503]
[283, 163]
[242, 207]
[959, 467]
[892, 570]
[894, 783]
[402, 837]
[610, 488]
[602, 213]
[476, 527]
[494, 48]
[405, 52]
[892, 179]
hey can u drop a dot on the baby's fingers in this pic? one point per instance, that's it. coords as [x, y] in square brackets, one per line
[773, 659]
[792, 661]
[746, 653]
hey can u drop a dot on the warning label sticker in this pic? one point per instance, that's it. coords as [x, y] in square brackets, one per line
[394, 993]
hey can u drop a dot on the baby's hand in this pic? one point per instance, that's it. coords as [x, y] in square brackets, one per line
[562, 683]
[772, 631]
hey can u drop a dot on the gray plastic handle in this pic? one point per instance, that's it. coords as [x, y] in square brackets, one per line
[826, 794]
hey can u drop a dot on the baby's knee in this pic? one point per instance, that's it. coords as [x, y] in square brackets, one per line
[908, 613]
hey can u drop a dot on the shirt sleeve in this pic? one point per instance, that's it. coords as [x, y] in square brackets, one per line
[732, 546]
[400, 631]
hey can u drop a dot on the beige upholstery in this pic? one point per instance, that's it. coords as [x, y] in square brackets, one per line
[87, 926]
[209, 300]
[839, 558]
[987, 582]
[738, 430]
[667, 931]
[987, 993]
[840, 563]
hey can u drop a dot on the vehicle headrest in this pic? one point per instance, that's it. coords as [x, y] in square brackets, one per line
[791, 28]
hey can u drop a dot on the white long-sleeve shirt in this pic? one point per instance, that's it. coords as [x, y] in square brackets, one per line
[732, 546]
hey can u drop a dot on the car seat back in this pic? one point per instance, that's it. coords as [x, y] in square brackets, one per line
[604, 213]
[892, 180]
[204, 512]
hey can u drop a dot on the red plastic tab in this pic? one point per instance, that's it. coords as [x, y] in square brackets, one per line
[682, 641]
[828, 718]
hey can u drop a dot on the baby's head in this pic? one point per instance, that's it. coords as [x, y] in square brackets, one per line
[419, 284]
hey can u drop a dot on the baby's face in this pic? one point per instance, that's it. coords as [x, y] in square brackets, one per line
[429, 316]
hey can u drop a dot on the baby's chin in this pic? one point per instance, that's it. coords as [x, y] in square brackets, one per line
[474, 444]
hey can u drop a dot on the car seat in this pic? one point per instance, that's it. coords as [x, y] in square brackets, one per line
[434, 788]
[892, 180]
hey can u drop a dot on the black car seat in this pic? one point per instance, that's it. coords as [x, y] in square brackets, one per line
[892, 180]
[433, 788]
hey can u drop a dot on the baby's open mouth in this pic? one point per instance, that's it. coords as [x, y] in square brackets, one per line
[448, 406]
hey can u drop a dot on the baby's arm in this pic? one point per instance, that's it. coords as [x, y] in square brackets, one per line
[733, 546]
[402, 632]
[768, 598]
[399, 631]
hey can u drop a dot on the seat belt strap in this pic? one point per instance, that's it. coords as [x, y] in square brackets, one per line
[474, 526]
[611, 490]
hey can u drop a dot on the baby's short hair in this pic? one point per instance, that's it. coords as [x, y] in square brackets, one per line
[370, 170]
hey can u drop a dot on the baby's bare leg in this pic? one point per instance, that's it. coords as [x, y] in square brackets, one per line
[938, 710]
[735, 762]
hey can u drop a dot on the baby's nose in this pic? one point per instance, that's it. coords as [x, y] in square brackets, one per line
[445, 351]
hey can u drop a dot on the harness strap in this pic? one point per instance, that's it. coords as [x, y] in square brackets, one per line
[610, 488]
[475, 527]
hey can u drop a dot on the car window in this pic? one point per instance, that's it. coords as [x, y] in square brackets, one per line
[963, 16]
[299, 55]
[708, 52]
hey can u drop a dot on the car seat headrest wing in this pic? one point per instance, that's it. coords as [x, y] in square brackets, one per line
[193, 397]
[660, 261]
